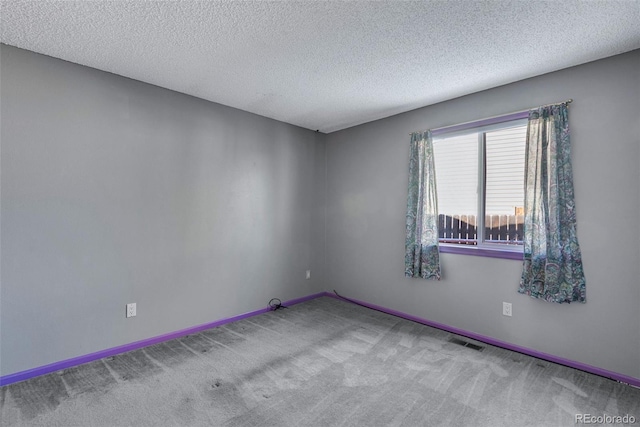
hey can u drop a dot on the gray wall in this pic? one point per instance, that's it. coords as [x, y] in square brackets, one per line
[115, 191]
[366, 199]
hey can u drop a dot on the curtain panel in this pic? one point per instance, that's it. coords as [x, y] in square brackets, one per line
[422, 258]
[552, 267]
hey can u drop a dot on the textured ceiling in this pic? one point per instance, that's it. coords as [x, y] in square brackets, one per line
[324, 65]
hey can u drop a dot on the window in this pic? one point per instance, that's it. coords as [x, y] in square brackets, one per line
[480, 186]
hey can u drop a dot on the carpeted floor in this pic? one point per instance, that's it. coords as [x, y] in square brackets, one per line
[324, 362]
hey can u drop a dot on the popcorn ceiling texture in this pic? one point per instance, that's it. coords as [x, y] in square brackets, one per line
[324, 65]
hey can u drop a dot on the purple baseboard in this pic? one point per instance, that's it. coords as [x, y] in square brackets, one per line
[492, 341]
[68, 363]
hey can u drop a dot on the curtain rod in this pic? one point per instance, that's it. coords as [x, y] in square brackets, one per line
[568, 101]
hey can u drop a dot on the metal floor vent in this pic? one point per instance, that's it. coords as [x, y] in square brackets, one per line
[466, 344]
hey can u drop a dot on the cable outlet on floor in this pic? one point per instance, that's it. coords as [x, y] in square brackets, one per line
[506, 309]
[131, 309]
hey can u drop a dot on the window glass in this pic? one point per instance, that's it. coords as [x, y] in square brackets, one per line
[480, 185]
[504, 186]
[457, 187]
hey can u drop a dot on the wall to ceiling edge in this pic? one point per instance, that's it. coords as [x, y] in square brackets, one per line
[367, 175]
[116, 191]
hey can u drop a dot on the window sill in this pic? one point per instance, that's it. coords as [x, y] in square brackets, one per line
[474, 250]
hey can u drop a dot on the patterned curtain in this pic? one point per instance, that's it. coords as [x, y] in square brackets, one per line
[422, 258]
[552, 261]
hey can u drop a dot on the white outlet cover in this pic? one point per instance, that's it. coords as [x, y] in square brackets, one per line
[308, 274]
[506, 309]
[131, 309]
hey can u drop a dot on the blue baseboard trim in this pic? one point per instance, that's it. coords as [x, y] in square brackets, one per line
[75, 361]
[492, 341]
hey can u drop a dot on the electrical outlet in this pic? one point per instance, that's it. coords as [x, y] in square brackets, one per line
[308, 274]
[131, 309]
[506, 309]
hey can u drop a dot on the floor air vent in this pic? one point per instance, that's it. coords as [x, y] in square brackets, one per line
[466, 344]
